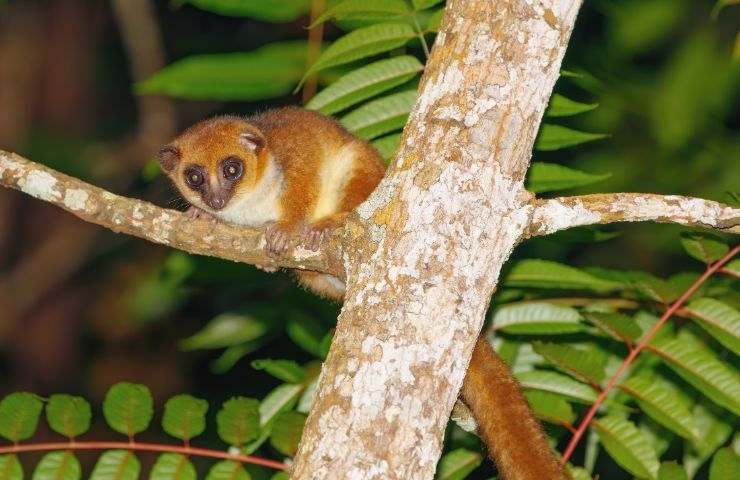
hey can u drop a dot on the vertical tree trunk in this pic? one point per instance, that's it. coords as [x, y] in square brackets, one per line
[424, 253]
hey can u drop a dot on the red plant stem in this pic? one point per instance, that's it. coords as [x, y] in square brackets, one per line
[640, 346]
[146, 447]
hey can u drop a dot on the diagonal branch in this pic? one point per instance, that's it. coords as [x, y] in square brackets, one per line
[556, 214]
[158, 225]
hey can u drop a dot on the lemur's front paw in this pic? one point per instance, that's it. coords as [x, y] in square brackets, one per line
[195, 212]
[278, 237]
[311, 236]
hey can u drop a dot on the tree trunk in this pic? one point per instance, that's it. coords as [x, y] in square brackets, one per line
[424, 253]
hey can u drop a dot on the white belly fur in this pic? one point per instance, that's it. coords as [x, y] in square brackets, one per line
[333, 175]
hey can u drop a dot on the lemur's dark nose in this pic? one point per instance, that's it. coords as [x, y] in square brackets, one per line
[216, 203]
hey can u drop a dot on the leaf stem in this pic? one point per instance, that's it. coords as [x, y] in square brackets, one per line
[144, 447]
[640, 346]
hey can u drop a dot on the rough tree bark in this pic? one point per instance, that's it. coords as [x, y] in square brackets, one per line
[422, 256]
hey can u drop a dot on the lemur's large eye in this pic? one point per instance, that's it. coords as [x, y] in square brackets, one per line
[232, 168]
[194, 177]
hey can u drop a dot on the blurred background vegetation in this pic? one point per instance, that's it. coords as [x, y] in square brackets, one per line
[82, 308]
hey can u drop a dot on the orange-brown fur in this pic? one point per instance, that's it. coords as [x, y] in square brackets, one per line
[506, 424]
[299, 140]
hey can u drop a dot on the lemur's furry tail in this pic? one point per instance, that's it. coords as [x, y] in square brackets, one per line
[514, 438]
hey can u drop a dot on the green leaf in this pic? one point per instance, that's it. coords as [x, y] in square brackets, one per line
[733, 267]
[239, 421]
[10, 468]
[285, 370]
[363, 10]
[725, 465]
[561, 106]
[585, 365]
[117, 465]
[184, 417]
[550, 407]
[671, 471]
[58, 466]
[380, 116]
[537, 318]
[661, 405]
[705, 247]
[653, 288]
[714, 430]
[557, 383]
[699, 367]
[556, 137]
[173, 466]
[306, 332]
[68, 415]
[128, 408]
[457, 464]
[535, 273]
[286, 432]
[719, 320]
[280, 476]
[19, 416]
[228, 470]
[618, 326]
[435, 20]
[422, 4]
[387, 146]
[578, 473]
[226, 330]
[365, 82]
[627, 446]
[282, 399]
[275, 11]
[361, 43]
[269, 72]
[547, 177]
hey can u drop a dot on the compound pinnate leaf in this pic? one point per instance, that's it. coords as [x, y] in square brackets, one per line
[539, 318]
[239, 421]
[703, 246]
[173, 466]
[627, 446]
[58, 466]
[68, 415]
[382, 115]
[128, 408]
[286, 432]
[457, 464]
[585, 365]
[19, 415]
[116, 465]
[719, 319]
[184, 416]
[228, 470]
[10, 468]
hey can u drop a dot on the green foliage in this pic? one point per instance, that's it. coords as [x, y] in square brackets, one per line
[58, 466]
[286, 432]
[537, 318]
[277, 11]
[550, 407]
[618, 326]
[239, 421]
[228, 470]
[10, 468]
[627, 446]
[704, 247]
[19, 415]
[457, 464]
[184, 416]
[116, 465]
[671, 471]
[561, 106]
[534, 273]
[554, 382]
[173, 466]
[586, 365]
[362, 10]
[381, 115]
[128, 408]
[725, 464]
[547, 177]
[227, 330]
[556, 137]
[268, 72]
[719, 320]
[68, 415]
[285, 370]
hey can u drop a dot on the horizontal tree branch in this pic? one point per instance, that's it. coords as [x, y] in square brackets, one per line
[556, 214]
[158, 225]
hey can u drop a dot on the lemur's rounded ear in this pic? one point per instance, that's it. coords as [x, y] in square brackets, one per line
[168, 157]
[252, 140]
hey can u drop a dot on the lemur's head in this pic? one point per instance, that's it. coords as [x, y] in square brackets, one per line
[216, 160]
